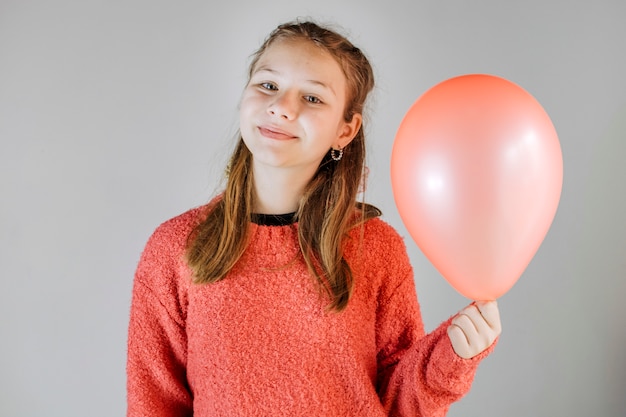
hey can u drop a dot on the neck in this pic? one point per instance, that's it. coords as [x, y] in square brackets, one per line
[278, 190]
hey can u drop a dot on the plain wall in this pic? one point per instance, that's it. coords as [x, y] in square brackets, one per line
[117, 115]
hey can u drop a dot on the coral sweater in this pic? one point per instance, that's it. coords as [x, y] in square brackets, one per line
[261, 343]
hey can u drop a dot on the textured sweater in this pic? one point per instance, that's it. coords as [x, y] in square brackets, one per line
[261, 342]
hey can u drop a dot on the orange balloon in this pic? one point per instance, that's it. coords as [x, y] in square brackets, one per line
[477, 171]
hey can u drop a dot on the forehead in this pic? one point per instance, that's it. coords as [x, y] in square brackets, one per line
[303, 54]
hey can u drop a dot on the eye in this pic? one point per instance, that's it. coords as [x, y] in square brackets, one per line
[268, 86]
[312, 99]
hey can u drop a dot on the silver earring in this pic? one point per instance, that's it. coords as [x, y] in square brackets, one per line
[336, 154]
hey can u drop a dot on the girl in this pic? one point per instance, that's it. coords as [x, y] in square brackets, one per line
[283, 296]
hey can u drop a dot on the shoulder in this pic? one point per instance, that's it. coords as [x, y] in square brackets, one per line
[380, 244]
[162, 262]
[167, 244]
[377, 231]
[378, 256]
[162, 277]
[173, 233]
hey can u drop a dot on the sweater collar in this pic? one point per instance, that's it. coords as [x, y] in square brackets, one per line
[274, 219]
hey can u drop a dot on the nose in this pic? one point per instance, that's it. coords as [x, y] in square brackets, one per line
[284, 106]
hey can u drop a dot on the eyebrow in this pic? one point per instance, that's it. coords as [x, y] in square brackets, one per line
[316, 82]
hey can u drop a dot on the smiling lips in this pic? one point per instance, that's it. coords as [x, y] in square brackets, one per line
[275, 133]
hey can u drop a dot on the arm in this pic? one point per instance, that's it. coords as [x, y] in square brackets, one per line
[157, 354]
[419, 374]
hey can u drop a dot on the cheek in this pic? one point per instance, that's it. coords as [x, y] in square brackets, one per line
[248, 98]
[244, 104]
[246, 109]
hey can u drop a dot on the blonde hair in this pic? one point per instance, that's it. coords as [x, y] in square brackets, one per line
[328, 208]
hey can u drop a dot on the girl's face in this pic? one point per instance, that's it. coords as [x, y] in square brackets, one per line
[292, 109]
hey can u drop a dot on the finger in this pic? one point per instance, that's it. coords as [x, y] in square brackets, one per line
[465, 324]
[459, 341]
[490, 312]
[472, 314]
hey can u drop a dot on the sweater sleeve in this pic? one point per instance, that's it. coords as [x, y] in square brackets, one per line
[157, 342]
[418, 374]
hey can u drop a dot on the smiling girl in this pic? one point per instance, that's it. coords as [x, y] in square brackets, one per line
[284, 296]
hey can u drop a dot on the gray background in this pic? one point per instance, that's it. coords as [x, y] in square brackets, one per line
[116, 115]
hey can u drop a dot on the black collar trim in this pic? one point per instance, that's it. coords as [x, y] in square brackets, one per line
[274, 219]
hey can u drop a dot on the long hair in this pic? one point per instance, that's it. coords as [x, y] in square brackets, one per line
[328, 208]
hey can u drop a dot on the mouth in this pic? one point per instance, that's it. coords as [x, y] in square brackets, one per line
[275, 133]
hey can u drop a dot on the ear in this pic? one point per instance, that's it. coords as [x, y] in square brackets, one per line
[349, 130]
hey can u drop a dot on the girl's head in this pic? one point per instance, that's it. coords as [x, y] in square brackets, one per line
[321, 79]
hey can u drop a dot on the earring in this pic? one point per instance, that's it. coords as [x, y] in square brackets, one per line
[336, 154]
